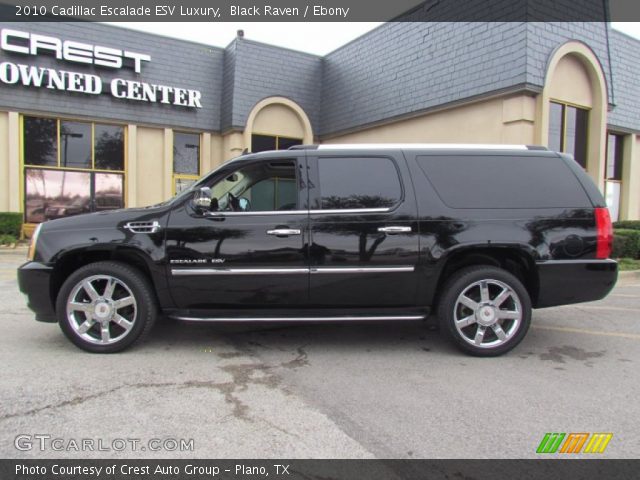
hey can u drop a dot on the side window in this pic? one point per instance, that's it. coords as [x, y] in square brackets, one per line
[505, 181]
[260, 187]
[358, 182]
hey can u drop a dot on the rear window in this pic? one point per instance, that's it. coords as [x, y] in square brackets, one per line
[478, 181]
[358, 182]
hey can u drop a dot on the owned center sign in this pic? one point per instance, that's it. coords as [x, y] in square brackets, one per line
[25, 43]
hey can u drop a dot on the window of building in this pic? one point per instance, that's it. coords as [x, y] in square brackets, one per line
[615, 151]
[568, 128]
[356, 182]
[613, 173]
[71, 167]
[186, 160]
[262, 143]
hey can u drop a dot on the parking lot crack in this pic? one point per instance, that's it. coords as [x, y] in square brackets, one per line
[242, 375]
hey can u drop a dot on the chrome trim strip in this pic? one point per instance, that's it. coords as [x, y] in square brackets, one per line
[256, 214]
[237, 271]
[296, 212]
[350, 318]
[350, 210]
[361, 269]
[394, 229]
[575, 262]
[287, 271]
[284, 232]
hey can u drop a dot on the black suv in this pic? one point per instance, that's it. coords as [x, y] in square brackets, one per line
[478, 235]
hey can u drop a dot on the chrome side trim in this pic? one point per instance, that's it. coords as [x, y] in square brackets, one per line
[350, 318]
[361, 269]
[256, 214]
[237, 271]
[284, 232]
[296, 212]
[286, 271]
[575, 262]
[392, 230]
[350, 210]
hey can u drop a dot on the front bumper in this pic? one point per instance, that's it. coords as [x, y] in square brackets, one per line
[563, 282]
[34, 281]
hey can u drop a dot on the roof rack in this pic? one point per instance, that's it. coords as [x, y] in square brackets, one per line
[408, 146]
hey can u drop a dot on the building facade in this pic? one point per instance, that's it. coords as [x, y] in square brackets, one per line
[94, 117]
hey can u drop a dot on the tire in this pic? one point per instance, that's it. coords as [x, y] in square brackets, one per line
[105, 307]
[489, 323]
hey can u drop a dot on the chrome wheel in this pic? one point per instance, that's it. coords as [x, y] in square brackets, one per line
[101, 309]
[487, 313]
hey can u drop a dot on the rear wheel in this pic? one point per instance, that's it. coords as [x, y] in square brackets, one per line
[485, 311]
[105, 307]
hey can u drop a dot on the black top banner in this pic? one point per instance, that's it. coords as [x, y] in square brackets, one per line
[322, 10]
[278, 469]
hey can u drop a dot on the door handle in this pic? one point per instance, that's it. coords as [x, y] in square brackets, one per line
[394, 230]
[284, 232]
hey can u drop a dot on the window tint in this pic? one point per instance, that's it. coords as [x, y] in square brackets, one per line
[576, 131]
[355, 182]
[262, 143]
[568, 128]
[268, 186]
[108, 189]
[75, 144]
[503, 182]
[109, 147]
[186, 153]
[40, 141]
[556, 127]
[615, 154]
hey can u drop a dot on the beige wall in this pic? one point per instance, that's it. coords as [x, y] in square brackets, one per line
[278, 119]
[150, 170]
[499, 120]
[570, 82]
[630, 195]
[4, 161]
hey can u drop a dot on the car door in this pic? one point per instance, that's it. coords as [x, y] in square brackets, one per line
[246, 257]
[363, 232]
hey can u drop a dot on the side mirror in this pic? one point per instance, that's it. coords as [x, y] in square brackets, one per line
[202, 198]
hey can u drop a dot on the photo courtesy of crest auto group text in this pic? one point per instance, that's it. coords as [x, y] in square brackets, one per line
[319, 240]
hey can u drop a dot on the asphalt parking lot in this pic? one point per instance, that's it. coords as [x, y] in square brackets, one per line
[321, 391]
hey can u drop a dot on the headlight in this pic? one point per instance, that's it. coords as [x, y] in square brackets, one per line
[32, 245]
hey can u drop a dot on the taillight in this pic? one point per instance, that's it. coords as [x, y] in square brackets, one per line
[604, 232]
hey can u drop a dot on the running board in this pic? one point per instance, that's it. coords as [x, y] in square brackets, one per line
[349, 318]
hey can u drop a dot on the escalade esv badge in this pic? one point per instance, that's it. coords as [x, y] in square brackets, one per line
[459, 233]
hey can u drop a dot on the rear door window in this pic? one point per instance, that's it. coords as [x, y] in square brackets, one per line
[358, 182]
[481, 181]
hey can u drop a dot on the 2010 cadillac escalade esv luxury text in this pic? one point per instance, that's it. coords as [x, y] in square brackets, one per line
[478, 235]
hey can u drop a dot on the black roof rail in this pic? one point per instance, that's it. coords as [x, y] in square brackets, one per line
[303, 147]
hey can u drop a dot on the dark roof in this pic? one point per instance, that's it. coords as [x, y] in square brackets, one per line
[625, 54]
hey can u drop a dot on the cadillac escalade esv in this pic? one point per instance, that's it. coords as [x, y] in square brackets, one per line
[475, 235]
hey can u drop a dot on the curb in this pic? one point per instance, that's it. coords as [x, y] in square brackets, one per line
[20, 249]
[629, 275]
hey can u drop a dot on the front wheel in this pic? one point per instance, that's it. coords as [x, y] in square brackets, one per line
[485, 311]
[105, 307]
